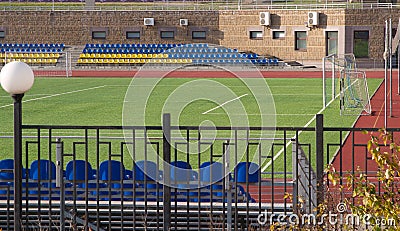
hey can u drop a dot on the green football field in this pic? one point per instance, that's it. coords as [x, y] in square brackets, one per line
[100, 101]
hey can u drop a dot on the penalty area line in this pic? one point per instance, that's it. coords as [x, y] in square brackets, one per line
[212, 109]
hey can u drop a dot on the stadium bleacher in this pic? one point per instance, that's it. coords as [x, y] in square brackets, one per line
[32, 54]
[140, 54]
[112, 181]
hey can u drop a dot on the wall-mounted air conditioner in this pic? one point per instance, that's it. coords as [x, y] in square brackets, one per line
[313, 19]
[183, 22]
[148, 21]
[265, 19]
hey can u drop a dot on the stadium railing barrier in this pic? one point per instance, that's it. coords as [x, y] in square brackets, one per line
[113, 177]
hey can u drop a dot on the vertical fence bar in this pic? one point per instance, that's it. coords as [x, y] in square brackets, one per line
[319, 133]
[59, 180]
[167, 160]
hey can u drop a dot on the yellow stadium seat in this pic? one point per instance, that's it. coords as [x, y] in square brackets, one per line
[134, 56]
[118, 56]
[129, 56]
[81, 56]
[123, 56]
[97, 55]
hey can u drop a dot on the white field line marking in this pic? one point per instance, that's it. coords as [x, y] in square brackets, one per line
[298, 134]
[212, 109]
[257, 114]
[49, 96]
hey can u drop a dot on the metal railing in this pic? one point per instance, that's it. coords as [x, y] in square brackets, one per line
[196, 6]
[174, 177]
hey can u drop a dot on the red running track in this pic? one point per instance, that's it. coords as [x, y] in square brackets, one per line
[353, 156]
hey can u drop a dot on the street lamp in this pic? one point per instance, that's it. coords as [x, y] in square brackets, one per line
[16, 78]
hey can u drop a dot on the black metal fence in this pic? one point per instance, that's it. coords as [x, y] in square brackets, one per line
[170, 178]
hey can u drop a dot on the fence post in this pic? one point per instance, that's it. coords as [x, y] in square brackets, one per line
[319, 133]
[167, 160]
[59, 180]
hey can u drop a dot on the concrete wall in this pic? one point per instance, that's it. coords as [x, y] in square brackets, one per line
[227, 28]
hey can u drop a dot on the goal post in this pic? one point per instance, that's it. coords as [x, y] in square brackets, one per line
[341, 78]
[330, 75]
[43, 64]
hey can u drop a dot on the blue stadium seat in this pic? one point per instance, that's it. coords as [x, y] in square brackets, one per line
[247, 172]
[43, 171]
[75, 172]
[112, 172]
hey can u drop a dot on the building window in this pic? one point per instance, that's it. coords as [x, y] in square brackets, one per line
[331, 42]
[167, 34]
[133, 35]
[301, 40]
[2, 34]
[278, 34]
[361, 40]
[98, 35]
[198, 35]
[256, 34]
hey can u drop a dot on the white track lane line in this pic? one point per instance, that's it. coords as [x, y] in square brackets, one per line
[49, 96]
[212, 109]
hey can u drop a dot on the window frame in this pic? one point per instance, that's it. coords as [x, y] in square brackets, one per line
[162, 34]
[95, 33]
[357, 43]
[299, 39]
[257, 33]
[279, 37]
[198, 37]
[132, 37]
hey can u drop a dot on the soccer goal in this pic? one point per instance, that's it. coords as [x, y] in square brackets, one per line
[43, 64]
[341, 78]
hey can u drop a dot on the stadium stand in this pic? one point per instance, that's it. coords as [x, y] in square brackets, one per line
[113, 182]
[140, 54]
[32, 54]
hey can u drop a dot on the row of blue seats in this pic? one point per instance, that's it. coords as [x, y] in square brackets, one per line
[160, 50]
[212, 56]
[35, 45]
[142, 178]
[164, 46]
[263, 61]
[31, 50]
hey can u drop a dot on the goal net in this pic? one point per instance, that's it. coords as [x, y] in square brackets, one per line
[353, 88]
[43, 64]
[354, 96]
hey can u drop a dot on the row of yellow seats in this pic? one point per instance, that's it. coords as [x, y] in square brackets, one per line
[30, 55]
[121, 56]
[132, 61]
[30, 61]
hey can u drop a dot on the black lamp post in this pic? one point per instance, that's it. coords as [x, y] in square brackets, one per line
[16, 78]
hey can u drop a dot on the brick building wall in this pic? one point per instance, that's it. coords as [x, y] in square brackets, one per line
[228, 28]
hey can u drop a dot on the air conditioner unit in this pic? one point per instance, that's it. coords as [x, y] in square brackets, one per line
[148, 21]
[265, 19]
[183, 22]
[313, 18]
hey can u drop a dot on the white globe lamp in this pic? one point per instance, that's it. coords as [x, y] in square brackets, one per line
[16, 77]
